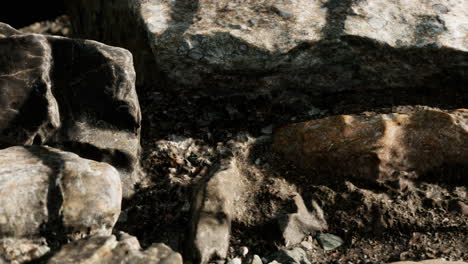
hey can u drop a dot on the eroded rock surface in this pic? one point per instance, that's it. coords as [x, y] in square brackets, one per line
[234, 46]
[56, 194]
[378, 147]
[212, 212]
[78, 95]
[109, 250]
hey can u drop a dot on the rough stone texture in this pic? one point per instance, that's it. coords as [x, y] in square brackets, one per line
[56, 194]
[77, 95]
[298, 225]
[378, 147]
[109, 250]
[15, 251]
[225, 46]
[212, 212]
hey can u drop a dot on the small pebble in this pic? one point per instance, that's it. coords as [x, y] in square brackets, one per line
[267, 130]
[235, 261]
[243, 251]
[256, 260]
[307, 245]
[329, 241]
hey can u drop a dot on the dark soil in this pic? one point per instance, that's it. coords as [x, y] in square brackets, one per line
[183, 133]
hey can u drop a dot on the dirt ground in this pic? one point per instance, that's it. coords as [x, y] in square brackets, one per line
[182, 135]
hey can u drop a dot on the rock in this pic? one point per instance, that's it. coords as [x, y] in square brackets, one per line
[292, 256]
[256, 260]
[235, 261]
[243, 251]
[45, 191]
[212, 211]
[378, 147]
[283, 44]
[77, 95]
[109, 250]
[22, 250]
[430, 261]
[329, 241]
[296, 226]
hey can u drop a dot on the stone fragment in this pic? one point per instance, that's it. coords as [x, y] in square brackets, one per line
[212, 211]
[45, 191]
[109, 250]
[378, 147]
[291, 256]
[329, 241]
[77, 95]
[296, 226]
[318, 46]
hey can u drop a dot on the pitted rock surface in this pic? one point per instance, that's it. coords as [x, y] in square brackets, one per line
[378, 147]
[318, 46]
[109, 250]
[77, 95]
[57, 194]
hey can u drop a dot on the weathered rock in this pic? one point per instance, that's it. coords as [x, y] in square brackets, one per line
[221, 45]
[298, 225]
[212, 211]
[22, 250]
[78, 95]
[378, 147]
[28, 110]
[56, 194]
[109, 250]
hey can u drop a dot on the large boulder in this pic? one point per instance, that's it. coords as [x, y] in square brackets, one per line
[77, 95]
[109, 250]
[380, 146]
[221, 46]
[56, 194]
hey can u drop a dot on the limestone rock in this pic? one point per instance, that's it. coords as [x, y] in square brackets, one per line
[109, 250]
[378, 147]
[212, 212]
[221, 45]
[44, 191]
[14, 250]
[298, 225]
[77, 95]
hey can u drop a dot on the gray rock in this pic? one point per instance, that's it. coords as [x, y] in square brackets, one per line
[77, 95]
[256, 260]
[298, 225]
[109, 250]
[44, 191]
[329, 241]
[282, 44]
[235, 261]
[212, 211]
[292, 256]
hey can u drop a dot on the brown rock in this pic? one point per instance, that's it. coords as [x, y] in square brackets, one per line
[378, 147]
